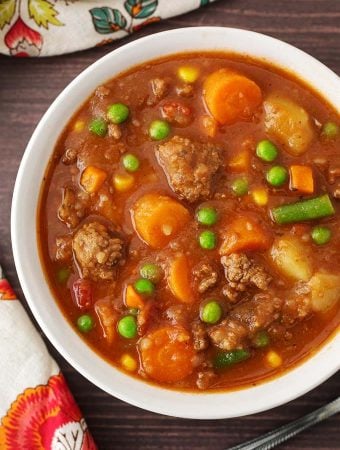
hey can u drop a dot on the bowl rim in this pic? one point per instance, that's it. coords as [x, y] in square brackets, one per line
[206, 405]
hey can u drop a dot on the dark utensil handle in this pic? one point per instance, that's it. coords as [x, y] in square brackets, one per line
[282, 434]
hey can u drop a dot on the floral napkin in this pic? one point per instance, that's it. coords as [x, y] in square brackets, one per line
[37, 410]
[53, 27]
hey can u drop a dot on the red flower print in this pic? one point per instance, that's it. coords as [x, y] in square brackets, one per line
[6, 292]
[22, 40]
[45, 417]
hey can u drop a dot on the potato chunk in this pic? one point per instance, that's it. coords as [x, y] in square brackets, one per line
[291, 258]
[287, 122]
[325, 289]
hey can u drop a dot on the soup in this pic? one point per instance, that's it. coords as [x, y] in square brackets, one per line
[189, 221]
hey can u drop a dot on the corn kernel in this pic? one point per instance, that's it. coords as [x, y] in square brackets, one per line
[260, 196]
[188, 74]
[273, 359]
[128, 362]
[123, 181]
[79, 126]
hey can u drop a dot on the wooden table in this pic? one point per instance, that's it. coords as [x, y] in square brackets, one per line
[28, 86]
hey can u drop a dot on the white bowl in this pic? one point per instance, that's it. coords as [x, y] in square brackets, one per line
[250, 400]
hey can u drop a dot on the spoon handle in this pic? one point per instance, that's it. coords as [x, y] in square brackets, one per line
[285, 432]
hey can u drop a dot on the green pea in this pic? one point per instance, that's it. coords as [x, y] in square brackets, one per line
[277, 176]
[207, 216]
[261, 339]
[127, 327]
[144, 286]
[151, 272]
[130, 162]
[159, 129]
[85, 323]
[207, 240]
[98, 127]
[321, 235]
[266, 150]
[63, 275]
[330, 130]
[211, 312]
[118, 113]
[240, 187]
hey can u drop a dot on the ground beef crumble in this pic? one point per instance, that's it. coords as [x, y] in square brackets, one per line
[241, 273]
[205, 276]
[97, 252]
[189, 166]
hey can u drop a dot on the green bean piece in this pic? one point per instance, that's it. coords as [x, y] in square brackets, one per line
[314, 208]
[227, 359]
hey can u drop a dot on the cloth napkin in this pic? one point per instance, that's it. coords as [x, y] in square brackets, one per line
[37, 410]
[53, 27]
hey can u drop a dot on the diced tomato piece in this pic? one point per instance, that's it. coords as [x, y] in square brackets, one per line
[82, 293]
[176, 113]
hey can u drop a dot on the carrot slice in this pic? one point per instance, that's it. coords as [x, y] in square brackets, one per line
[158, 219]
[230, 96]
[178, 279]
[243, 234]
[92, 178]
[167, 354]
[301, 179]
[240, 162]
[132, 299]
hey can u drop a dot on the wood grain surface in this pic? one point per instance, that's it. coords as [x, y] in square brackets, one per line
[27, 88]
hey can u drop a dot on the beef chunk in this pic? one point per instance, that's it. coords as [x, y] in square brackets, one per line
[189, 166]
[244, 320]
[205, 378]
[63, 248]
[72, 209]
[185, 90]
[205, 276]
[200, 336]
[296, 308]
[114, 131]
[159, 88]
[228, 335]
[241, 273]
[177, 314]
[97, 252]
[69, 157]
